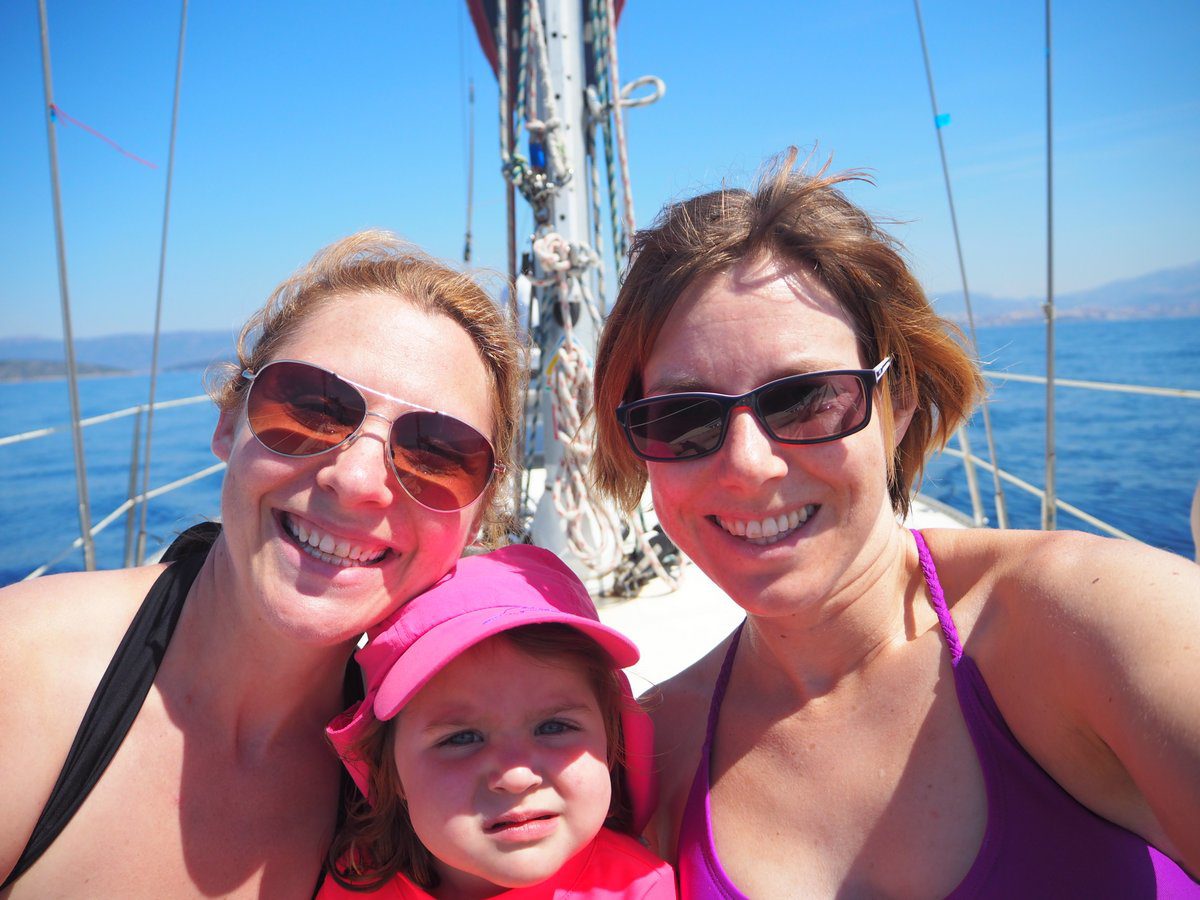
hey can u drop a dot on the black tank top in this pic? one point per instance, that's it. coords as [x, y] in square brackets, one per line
[123, 690]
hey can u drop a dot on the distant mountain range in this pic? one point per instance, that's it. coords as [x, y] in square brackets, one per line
[37, 357]
[1167, 293]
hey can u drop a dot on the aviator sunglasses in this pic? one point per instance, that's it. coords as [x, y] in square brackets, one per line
[799, 409]
[298, 409]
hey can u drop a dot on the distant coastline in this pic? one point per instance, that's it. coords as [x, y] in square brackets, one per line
[1033, 316]
[14, 370]
[51, 370]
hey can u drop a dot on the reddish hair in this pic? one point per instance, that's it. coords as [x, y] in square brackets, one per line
[804, 220]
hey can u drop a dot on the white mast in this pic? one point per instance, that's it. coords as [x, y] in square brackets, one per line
[568, 216]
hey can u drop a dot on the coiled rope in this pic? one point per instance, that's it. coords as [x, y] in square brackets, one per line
[594, 531]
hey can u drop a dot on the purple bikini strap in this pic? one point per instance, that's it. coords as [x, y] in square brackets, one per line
[939, 598]
[714, 707]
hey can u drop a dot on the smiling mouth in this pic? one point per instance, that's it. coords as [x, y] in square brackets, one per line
[513, 824]
[769, 530]
[329, 548]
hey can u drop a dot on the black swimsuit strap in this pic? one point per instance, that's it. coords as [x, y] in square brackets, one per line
[120, 696]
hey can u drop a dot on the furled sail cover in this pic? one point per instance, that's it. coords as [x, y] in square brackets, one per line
[484, 14]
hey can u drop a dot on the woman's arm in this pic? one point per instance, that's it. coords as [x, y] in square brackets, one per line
[59, 633]
[1097, 664]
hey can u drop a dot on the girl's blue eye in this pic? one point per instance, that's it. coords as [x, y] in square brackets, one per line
[461, 739]
[555, 726]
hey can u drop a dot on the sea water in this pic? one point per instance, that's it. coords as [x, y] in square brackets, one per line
[1133, 461]
[1128, 459]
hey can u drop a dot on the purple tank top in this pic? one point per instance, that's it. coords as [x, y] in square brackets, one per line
[1038, 841]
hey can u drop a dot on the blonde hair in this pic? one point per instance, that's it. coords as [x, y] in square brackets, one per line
[804, 220]
[379, 262]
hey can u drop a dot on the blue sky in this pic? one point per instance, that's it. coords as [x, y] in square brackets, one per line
[303, 121]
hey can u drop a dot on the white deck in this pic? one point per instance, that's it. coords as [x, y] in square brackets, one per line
[674, 628]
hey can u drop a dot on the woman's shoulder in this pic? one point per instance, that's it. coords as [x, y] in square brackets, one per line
[679, 708]
[60, 634]
[70, 614]
[1057, 575]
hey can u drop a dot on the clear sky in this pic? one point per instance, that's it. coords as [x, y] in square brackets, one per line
[304, 120]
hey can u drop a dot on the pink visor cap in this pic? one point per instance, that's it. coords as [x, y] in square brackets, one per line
[483, 596]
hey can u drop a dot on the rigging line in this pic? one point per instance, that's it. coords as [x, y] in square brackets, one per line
[140, 555]
[510, 192]
[1049, 506]
[470, 167]
[938, 122]
[57, 111]
[600, 50]
[614, 89]
[468, 128]
[85, 513]
[525, 102]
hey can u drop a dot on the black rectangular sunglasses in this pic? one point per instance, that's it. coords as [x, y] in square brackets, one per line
[800, 409]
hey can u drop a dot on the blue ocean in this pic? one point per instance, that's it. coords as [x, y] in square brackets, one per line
[1133, 461]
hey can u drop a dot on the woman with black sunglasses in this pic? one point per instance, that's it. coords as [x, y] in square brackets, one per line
[960, 712]
[365, 426]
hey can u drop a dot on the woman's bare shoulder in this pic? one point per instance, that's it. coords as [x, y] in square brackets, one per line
[1087, 645]
[680, 704]
[1037, 572]
[70, 612]
[679, 708]
[60, 634]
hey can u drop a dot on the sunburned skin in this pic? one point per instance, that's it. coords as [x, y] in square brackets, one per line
[505, 779]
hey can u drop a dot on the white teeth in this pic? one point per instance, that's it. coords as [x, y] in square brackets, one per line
[768, 530]
[330, 549]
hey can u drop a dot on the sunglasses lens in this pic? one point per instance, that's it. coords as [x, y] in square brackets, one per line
[813, 407]
[443, 463]
[675, 427]
[300, 410]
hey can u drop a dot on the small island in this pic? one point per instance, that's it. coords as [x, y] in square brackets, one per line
[49, 369]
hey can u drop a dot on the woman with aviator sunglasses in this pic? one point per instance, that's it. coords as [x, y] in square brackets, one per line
[366, 429]
[954, 712]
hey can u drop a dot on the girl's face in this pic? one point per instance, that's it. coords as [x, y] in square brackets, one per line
[502, 759]
[776, 526]
[276, 508]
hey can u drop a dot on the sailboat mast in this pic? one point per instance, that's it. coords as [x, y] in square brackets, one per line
[567, 215]
[1050, 500]
[85, 514]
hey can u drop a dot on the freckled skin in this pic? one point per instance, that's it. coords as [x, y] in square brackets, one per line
[351, 490]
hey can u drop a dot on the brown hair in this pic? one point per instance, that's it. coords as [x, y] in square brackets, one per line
[804, 220]
[378, 261]
[377, 839]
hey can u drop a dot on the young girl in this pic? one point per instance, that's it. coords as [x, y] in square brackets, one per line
[499, 749]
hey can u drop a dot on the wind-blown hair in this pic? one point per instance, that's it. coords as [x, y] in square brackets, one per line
[377, 840]
[804, 220]
[379, 262]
